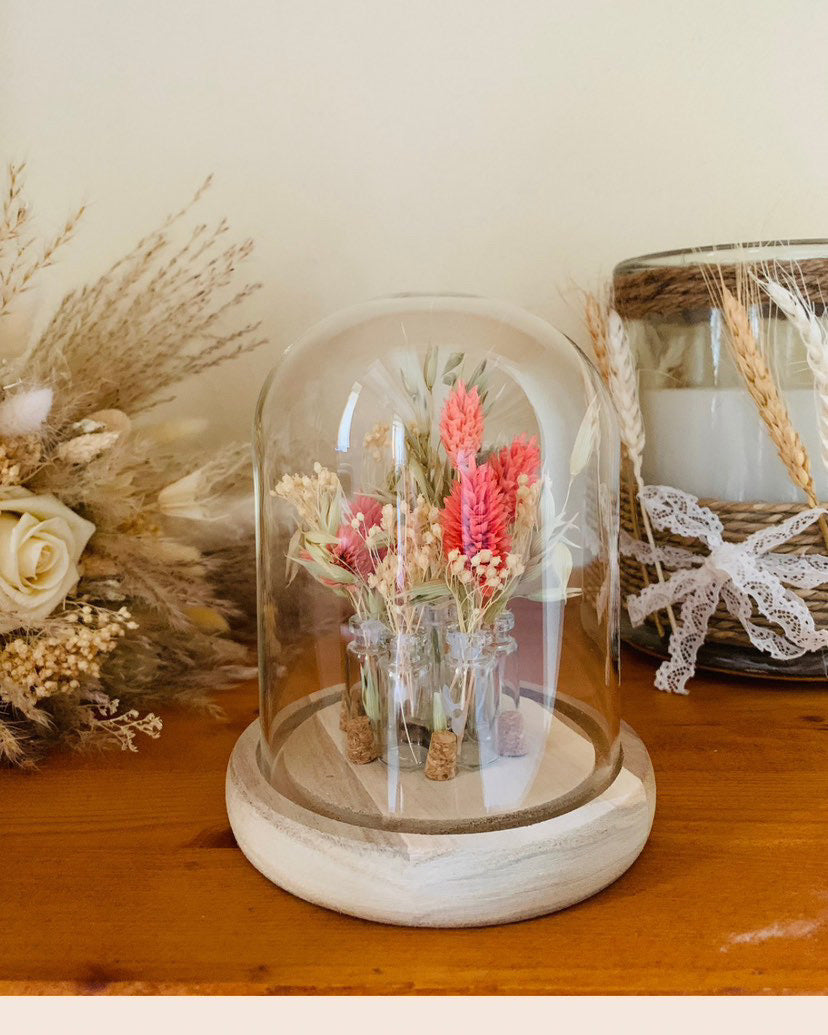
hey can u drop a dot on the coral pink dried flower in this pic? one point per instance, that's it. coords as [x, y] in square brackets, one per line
[461, 426]
[351, 551]
[474, 516]
[521, 457]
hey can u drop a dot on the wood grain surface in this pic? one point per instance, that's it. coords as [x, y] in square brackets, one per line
[119, 873]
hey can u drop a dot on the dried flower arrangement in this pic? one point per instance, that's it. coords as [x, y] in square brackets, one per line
[107, 603]
[428, 558]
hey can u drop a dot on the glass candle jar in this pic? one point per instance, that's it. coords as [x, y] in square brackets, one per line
[704, 432]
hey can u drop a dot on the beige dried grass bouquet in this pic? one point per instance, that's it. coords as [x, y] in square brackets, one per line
[116, 594]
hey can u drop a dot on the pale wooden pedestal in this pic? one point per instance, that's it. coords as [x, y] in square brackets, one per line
[434, 879]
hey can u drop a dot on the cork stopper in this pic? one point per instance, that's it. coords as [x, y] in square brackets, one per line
[441, 763]
[511, 742]
[359, 736]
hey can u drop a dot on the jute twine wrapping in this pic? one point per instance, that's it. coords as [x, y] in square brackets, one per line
[739, 521]
[360, 742]
[666, 291]
[441, 763]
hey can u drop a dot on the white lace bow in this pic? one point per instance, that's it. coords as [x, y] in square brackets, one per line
[745, 576]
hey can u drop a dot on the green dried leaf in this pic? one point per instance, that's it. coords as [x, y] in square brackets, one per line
[430, 367]
[292, 556]
[585, 440]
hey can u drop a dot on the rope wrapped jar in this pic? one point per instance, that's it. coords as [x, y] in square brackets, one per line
[731, 349]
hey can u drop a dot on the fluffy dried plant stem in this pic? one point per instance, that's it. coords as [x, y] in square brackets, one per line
[623, 386]
[596, 314]
[769, 401]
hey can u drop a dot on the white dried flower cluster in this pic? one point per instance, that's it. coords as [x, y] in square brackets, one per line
[311, 495]
[18, 458]
[526, 507]
[122, 729]
[60, 662]
[484, 570]
[377, 441]
[414, 555]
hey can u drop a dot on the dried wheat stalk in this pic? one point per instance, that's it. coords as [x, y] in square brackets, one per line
[765, 393]
[595, 313]
[801, 313]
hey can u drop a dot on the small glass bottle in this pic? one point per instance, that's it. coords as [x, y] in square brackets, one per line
[437, 620]
[473, 696]
[511, 737]
[402, 727]
[368, 644]
[508, 682]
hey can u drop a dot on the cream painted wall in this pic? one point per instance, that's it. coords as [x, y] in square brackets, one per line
[506, 148]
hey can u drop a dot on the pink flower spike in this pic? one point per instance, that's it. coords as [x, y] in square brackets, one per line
[521, 457]
[474, 516]
[461, 426]
[351, 551]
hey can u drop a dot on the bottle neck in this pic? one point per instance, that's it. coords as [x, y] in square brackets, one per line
[469, 648]
[369, 635]
[407, 649]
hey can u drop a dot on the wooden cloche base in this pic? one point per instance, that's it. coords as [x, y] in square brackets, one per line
[441, 879]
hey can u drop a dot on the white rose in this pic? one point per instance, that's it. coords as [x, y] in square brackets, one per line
[41, 542]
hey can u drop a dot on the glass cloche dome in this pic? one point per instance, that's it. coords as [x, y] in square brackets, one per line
[438, 615]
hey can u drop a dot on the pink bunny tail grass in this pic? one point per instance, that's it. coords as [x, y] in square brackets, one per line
[461, 426]
[474, 517]
[521, 457]
[351, 551]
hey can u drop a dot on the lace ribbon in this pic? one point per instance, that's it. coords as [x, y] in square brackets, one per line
[745, 576]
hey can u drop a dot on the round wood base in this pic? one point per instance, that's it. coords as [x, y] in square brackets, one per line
[441, 880]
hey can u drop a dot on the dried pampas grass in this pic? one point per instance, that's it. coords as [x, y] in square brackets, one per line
[20, 258]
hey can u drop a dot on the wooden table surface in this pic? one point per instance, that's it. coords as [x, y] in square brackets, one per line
[120, 874]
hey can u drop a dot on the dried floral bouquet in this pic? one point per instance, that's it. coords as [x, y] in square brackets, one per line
[107, 603]
[429, 559]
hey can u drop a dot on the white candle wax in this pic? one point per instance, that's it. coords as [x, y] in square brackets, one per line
[712, 442]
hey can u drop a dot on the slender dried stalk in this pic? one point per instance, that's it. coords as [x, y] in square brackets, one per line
[596, 313]
[18, 269]
[769, 401]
